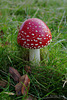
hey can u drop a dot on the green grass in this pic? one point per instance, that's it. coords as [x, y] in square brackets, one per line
[46, 79]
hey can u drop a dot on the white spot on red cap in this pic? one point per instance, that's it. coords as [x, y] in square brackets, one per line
[36, 41]
[19, 33]
[19, 36]
[23, 39]
[32, 34]
[46, 31]
[28, 40]
[34, 47]
[36, 44]
[27, 27]
[29, 22]
[44, 38]
[35, 26]
[27, 36]
[42, 35]
[24, 42]
[22, 31]
[47, 35]
[25, 33]
[28, 44]
[42, 46]
[48, 41]
[39, 38]
[40, 42]
[32, 44]
[36, 31]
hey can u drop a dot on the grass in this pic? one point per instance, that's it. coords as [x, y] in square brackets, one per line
[47, 79]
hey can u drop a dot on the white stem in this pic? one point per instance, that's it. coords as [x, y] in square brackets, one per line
[34, 55]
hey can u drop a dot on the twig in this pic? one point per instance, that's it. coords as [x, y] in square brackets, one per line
[9, 93]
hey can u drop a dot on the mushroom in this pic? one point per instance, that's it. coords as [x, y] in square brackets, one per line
[34, 34]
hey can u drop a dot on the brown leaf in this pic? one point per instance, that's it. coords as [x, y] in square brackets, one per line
[18, 88]
[26, 84]
[22, 78]
[3, 84]
[14, 73]
[23, 86]
[27, 69]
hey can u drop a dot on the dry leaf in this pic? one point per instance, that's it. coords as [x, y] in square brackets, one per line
[3, 84]
[27, 69]
[26, 84]
[18, 88]
[14, 73]
[23, 86]
[22, 78]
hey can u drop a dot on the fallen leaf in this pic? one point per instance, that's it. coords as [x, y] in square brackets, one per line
[27, 69]
[18, 88]
[22, 78]
[3, 84]
[14, 73]
[23, 86]
[26, 84]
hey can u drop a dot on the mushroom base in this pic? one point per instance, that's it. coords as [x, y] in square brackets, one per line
[34, 56]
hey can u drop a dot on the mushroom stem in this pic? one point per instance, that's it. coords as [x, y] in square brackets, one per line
[34, 55]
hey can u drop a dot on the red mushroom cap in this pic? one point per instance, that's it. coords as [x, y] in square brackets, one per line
[34, 34]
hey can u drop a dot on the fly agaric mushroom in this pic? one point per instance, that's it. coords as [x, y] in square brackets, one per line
[34, 34]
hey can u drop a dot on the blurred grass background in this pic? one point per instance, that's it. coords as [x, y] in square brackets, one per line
[47, 79]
